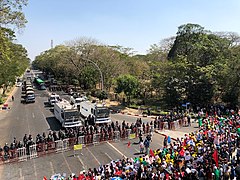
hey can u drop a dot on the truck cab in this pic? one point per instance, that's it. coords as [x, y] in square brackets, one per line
[67, 114]
[54, 98]
[76, 99]
[99, 113]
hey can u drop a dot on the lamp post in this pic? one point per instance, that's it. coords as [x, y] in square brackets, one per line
[95, 64]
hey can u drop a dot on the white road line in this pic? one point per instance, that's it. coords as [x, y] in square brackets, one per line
[84, 167]
[33, 115]
[116, 150]
[20, 173]
[45, 120]
[137, 150]
[94, 156]
[29, 132]
[66, 162]
[108, 156]
[51, 167]
[34, 167]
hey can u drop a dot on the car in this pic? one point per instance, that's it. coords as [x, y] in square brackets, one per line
[42, 87]
[19, 84]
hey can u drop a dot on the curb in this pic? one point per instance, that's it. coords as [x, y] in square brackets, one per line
[132, 114]
[157, 131]
[8, 99]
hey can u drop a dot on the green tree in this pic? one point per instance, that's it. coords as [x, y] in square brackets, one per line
[127, 84]
[200, 51]
[11, 13]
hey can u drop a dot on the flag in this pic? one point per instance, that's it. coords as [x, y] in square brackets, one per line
[129, 144]
[169, 139]
[215, 157]
[151, 153]
[182, 152]
[45, 178]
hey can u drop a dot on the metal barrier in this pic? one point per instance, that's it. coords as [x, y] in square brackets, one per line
[116, 136]
[50, 147]
[22, 155]
[33, 151]
[176, 124]
[65, 144]
[13, 155]
[128, 133]
[165, 125]
[59, 145]
[72, 142]
[151, 128]
[96, 138]
[81, 141]
[140, 130]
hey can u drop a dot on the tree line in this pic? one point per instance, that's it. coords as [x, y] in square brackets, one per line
[195, 65]
[13, 57]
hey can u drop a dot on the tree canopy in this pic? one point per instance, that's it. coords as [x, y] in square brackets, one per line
[196, 65]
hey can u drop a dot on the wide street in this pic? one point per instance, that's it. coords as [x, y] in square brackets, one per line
[37, 118]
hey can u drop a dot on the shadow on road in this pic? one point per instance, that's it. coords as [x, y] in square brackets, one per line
[138, 153]
[53, 123]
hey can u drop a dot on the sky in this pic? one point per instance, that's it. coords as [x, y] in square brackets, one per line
[135, 24]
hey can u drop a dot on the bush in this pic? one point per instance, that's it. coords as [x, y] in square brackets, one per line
[1, 100]
[100, 94]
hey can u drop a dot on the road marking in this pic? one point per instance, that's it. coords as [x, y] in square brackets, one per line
[51, 166]
[116, 150]
[34, 167]
[66, 163]
[94, 157]
[108, 156]
[45, 120]
[33, 115]
[20, 173]
[29, 132]
[84, 167]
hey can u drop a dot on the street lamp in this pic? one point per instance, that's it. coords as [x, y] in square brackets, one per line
[95, 64]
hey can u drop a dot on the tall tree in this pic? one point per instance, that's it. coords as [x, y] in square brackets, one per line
[11, 13]
[127, 84]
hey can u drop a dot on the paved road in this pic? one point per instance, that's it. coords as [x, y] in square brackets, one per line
[35, 118]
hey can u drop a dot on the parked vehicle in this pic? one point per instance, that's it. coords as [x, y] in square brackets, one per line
[67, 114]
[54, 98]
[30, 97]
[19, 84]
[98, 113]
[77, 99]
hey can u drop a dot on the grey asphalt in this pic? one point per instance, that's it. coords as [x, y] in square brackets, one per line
[36, 118]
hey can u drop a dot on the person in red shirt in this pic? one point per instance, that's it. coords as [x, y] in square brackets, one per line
[82, 176]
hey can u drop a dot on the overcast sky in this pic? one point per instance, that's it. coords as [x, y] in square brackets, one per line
[130, 23]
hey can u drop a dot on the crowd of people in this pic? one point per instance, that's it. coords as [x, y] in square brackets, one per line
[207, 153]
[210, 153]
[105, 131]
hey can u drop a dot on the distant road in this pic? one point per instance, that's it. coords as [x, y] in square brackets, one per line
[37, 118]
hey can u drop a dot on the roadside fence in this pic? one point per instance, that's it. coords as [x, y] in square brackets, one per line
[41, 149]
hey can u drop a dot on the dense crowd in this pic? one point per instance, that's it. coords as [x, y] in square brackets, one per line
[207, 153]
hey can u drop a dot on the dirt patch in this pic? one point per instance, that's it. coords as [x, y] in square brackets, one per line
[116, 106]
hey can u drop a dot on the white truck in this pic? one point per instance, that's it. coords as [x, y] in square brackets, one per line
[54, 98]
[99, 112]
[77, 99]
[67, 114]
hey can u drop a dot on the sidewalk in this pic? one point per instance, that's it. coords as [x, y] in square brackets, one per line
[179, 133]
[9, 96]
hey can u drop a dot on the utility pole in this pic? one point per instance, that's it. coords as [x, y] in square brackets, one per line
[95, 64]
[51, 43]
